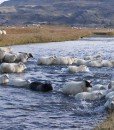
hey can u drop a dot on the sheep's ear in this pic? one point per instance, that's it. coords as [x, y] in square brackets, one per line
[109, 86]
[89, 81]
[88, 84]
[6, 75]
[21, 63]
[30, 55]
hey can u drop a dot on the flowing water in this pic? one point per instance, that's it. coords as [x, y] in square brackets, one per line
[22, 109]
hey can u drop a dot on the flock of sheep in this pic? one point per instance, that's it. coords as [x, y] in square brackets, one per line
[15, 63]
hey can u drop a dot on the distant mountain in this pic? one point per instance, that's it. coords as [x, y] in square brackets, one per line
[92, 13]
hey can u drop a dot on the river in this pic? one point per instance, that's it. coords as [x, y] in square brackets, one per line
[22, 109]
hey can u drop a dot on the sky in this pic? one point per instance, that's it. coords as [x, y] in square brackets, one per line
[2, 1]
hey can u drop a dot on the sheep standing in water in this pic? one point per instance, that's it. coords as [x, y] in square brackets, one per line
[38, 86]
[4, 79]
[95, 95]
[9, 58]
[12, 67]
[76, 69]
[45, 61]
[2, 54]
[19, 82]
[110, 104]
[23, 57]
[73, 87]
[63, 60]
[106, 63]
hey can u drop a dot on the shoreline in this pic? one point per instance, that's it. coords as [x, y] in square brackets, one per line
[107, 124]
[46, 33]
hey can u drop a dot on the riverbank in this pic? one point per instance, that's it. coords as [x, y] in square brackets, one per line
[45, 33]
[108, 124]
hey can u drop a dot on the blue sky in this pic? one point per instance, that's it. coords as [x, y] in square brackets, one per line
[2, 1]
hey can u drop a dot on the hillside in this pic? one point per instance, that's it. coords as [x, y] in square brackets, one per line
[92, 13]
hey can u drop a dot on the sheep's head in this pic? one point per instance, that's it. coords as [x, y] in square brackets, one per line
[22, 65]
[5, 79]
[30, 55]
[88, 84]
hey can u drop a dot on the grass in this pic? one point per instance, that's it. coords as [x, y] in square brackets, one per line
[108, 124]
[45, 33]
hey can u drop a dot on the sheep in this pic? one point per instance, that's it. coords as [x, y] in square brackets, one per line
[4, 79]
[0, 32]
[2, 54]
[110, 95]
[6, 49]
[23, 57]
[112, 62]
[95, 95]
[106, 63]
[73, 87]
[92, 58]
[45, 61]
[19, 82]
[109, 105]
[111, 85]
[99, 87]
[38, 86]
[75, 69]
[4, 32]
[9, 58]
[95, 63]
[80, 62]
[63, 60]
[12, 67]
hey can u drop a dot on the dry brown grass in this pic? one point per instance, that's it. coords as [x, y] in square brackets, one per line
[42, 34]
[108, 124]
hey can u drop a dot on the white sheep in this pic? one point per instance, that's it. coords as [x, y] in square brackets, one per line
[2, 54]
[19, 82]
[45, 60]
[92, 58]
[4, 79]
[4, 32]
[106, 63]
[110, 95]
[23, 57]
[6, 49]
[9, 58]
[80, 61]
[76, 69]
[73, 87]
[99, 87]
[0, 32]
[95, 95]
[12, 67]
[112, 62]
[63, 60]
[111, 85]
[110, 104]
[96, 63]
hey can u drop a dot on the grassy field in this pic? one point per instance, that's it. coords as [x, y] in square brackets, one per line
[42, 34]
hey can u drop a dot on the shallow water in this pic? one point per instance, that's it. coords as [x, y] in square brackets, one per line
[22, 109]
